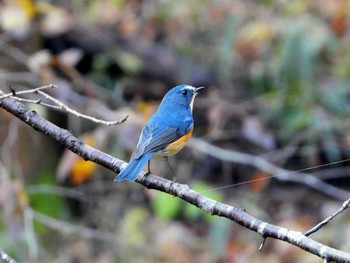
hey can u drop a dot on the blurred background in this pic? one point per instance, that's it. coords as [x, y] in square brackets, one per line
[277, 88]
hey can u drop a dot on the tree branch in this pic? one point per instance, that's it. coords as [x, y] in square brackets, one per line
[69, 228]
[5, 257]
[58, 105]
[263, 165]
[345, 205]
[176, 189]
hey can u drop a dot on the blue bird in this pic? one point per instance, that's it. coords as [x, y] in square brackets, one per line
[166, 133]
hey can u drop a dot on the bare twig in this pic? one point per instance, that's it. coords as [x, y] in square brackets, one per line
[15, 53]
[54, 107]
[58, 104]
[30, 233]
[345, 205]
[56, 190]
[5, 257]
[176, 189]
[21, 92]
[6, 147]
[277, 172]
[68, 228]
[80, 115]
[333, 173]
[20, 76]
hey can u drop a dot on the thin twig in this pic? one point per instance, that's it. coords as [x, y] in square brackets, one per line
[15, 53]
[54, 107]
[21, 92]
[20, 76]
[333, 173]
[30, 233]
[78, 114]
[345, 205]
[56, 190]
[5, 257]
[7, 145]
[58, 104]
[262, 164]
[68, 228]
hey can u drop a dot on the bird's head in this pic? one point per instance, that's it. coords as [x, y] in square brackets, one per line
[182, 94]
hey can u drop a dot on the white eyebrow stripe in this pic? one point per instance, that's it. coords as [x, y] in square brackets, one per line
[191, 87]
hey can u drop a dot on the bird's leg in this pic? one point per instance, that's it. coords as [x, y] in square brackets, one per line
[171, 169]
[149, 168]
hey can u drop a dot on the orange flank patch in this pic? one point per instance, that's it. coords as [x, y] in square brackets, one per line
[176, 146]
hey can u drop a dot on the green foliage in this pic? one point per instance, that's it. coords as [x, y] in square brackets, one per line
[291, 83]
[336, 99]
[165, 206]
[48, 204]
[129, 62]
[19, 250]
[133, 226]
[298, 62]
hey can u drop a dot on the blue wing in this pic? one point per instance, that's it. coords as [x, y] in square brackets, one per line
[155, 137]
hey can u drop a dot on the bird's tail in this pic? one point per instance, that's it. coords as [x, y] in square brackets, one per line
[132, 170]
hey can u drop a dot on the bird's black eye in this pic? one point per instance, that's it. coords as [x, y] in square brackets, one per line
[184, 92]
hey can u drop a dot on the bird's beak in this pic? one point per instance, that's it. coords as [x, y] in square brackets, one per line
[197, 89]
